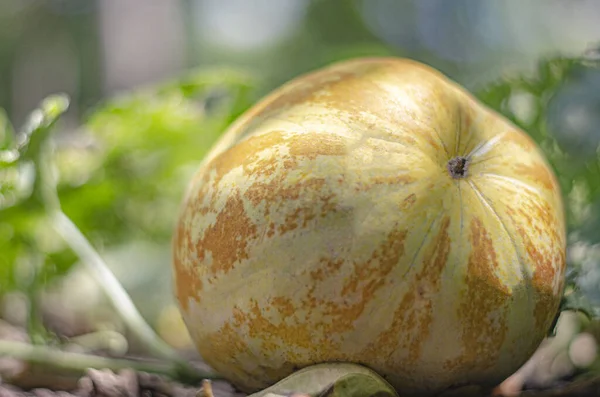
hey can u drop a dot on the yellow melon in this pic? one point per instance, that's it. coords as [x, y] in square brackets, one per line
[371, 212]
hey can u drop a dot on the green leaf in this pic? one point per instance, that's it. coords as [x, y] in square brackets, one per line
[7, 134]
[145, 146]
[359, 385]
[21, 210]
[8, 153]
[576, 300]
[331, 380]
[122, 176]
[40, 123]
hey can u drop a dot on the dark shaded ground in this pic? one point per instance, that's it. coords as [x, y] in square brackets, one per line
[125, 383]
[18, 378]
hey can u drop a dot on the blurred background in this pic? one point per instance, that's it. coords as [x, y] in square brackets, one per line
[94, 49]
[154, 82]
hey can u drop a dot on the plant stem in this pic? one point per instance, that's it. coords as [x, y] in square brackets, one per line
[119, 298]
[113, 289]
[78, 362]
[46, 191]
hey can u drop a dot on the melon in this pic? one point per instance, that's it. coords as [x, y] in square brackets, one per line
[371, 212]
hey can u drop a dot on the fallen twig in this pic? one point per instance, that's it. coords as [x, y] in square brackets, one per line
[77, 362]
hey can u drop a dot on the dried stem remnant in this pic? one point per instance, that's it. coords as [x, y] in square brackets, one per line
[457, 167]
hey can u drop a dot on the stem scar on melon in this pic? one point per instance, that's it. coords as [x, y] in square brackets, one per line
[458, 166]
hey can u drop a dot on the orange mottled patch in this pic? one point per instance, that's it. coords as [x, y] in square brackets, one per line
[326, 269]
[333, 82]
[187, 283]
[384, 106]
[546, 305]
[312, 196]
[225, 343]
[337, 317]
[537, 173]
[228, 343]
[434, 141]
[292, 219]
[544, 268]
[273, 335]
[227, 239]
[538, 217]
[521, 139]
[543, 279]
[311, 145]
[429, 279]
[484, 305]
[466, 119]
[401, 333]
[301, 216]
[528, 218]
[413, 317]
[332, 90]
[397, 180]
[305, 146]
[293, 93]
[245, 153]
[276, 191]
[408, 202]
[366, 279]
[284, 305]
[538, 229]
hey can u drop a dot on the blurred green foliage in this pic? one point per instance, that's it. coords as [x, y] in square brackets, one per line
[121, 176]
[23, 210]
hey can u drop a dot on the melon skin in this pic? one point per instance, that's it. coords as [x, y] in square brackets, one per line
[326, 226]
